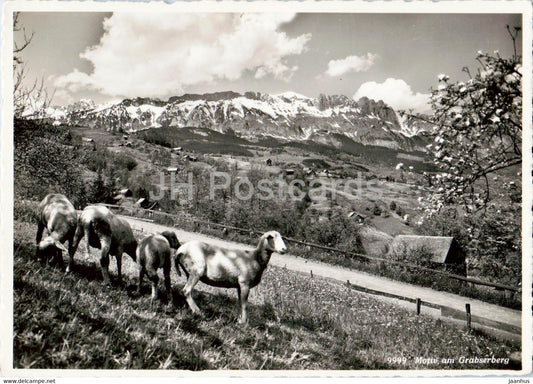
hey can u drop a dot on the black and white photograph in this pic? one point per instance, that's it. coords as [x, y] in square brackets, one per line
[307, 189]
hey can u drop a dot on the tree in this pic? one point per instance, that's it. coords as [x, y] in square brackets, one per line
[477, 145]
[478, 129]
[34, 97]
[98, 191]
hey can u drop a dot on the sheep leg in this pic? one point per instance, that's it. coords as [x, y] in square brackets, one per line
[141, 277]
[104, 262]
[71, 251]
[119, 266]
[187, 292]
[40, 229]
[166, 273]
[87, 250]
[78, 235]
[243, 292]
[59, 258]
[154, 280]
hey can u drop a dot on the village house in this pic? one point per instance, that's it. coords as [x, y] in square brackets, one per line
[445, 250]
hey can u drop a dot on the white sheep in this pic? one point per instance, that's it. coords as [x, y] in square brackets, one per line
[154, 252]
[57, 214]
[108, 232]
[227, 268]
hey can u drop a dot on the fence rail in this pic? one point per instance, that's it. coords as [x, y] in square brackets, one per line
[251, 232]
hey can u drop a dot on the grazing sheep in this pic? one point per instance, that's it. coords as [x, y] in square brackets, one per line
[227, 268]
[153, 252]
[57, 214]
[107, 232]
[171, 238]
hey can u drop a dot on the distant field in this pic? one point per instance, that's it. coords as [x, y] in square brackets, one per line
[197, 140]
[296, 322]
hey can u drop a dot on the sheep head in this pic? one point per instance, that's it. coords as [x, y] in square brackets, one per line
[274, 242]
[48, 246]
[172, 239]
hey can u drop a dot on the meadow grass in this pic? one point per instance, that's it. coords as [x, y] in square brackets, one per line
[296, 322]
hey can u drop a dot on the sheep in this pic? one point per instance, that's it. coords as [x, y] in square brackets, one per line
[108, 232]
[227, 268]
[57, 214]
[154, 252]
[171, 238]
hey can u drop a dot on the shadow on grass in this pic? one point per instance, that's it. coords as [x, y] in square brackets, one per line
[101, 336]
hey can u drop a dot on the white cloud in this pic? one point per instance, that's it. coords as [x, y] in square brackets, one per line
[350, 64]
[396, 93]
[153, 54]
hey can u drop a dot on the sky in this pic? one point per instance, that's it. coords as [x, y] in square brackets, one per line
[393, 57]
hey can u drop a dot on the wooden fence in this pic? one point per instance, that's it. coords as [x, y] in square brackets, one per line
[253, 232]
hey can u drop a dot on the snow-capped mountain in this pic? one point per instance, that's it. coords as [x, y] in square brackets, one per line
[252, 115]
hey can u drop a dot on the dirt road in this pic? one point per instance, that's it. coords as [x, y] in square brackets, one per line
[478, 308]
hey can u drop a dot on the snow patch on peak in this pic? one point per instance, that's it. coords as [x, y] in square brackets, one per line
[292, 95]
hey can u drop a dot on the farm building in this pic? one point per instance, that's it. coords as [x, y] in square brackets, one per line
[146, 204]
[123, 193]
[126, 192]
[309, 171]
[445, 250]
[190, 158]
[360, 218]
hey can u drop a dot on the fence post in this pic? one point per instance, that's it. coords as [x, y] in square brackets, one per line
[468, 316]
[418, 305]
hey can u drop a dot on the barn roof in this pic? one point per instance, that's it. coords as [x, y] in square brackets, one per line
[444, 249]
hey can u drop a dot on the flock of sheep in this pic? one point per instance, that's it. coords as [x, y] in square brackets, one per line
[200, 261]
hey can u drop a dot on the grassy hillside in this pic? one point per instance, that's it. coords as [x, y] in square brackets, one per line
[296, 322]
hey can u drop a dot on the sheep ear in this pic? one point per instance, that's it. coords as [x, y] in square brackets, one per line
[60, 246]
[269, 238]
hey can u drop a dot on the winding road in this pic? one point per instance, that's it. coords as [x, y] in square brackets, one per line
[479, 309]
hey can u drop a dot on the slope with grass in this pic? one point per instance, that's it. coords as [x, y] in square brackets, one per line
[73, 321]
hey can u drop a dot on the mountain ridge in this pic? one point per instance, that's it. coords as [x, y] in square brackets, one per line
[253, 115]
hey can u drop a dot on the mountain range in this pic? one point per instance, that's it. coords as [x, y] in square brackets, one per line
[252, 115]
